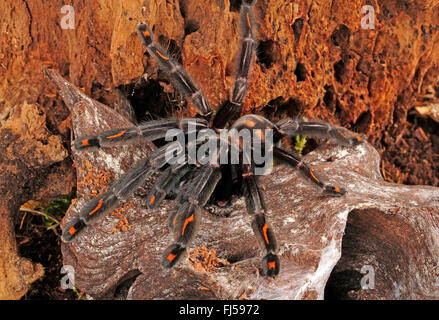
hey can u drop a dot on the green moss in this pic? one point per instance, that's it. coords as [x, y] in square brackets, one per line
[56, 209]
[300, 144]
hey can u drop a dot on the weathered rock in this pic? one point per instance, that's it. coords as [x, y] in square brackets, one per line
[394, 224]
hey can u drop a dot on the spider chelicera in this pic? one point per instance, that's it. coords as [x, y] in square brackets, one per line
[193, 183]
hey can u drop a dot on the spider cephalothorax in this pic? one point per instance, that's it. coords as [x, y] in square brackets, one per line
[192, 178]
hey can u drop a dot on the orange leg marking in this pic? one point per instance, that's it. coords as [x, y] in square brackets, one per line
[186, 222]
[72, 231]
[171, 257]
[313, 175]
[161, 55]
[117, 135]
[264, 229]
[248, 22]
[97, 207]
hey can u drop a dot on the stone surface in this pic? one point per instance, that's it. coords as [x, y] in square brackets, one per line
[395, 227]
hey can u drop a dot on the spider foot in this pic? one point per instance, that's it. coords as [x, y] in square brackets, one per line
[173, 255]
[145, 34]
[355, 141]
[334, 191]
[87, 142]
[271, 265]
[72, 229]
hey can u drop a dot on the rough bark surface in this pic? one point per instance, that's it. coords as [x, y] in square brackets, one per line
[398, 226]
[32, 162]
[313, 55]
[314, 60]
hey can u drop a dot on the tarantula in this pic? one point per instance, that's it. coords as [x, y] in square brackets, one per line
[193, 181]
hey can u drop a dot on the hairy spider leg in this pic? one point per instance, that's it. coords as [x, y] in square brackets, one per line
[263, 232]
[297, 163]
[184, 219]
[151, 130]
[246, 55]
[166, 184]
[175, 70]
[169, 181]
[119, 191]
[318, 129]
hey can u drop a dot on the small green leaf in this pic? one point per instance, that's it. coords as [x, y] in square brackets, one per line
[300, 144]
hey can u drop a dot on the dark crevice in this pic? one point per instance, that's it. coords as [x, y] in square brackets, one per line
[190, 26]
[235, 5]
[267, 53]
[148, 99]
[342, 282]
[300, 72]
[340, 37]
[122, 288]
[311, 145]
[329, 97]
[338, 107]
[39, 244]
[297, 27]
[345, 278]
[241, 256]
[374, 255]
[363, 122]
[339, 70]
[183, 8]
[278, 108]
[293, 107]
[30, 23]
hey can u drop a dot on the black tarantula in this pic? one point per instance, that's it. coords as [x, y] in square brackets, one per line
[194, 182]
